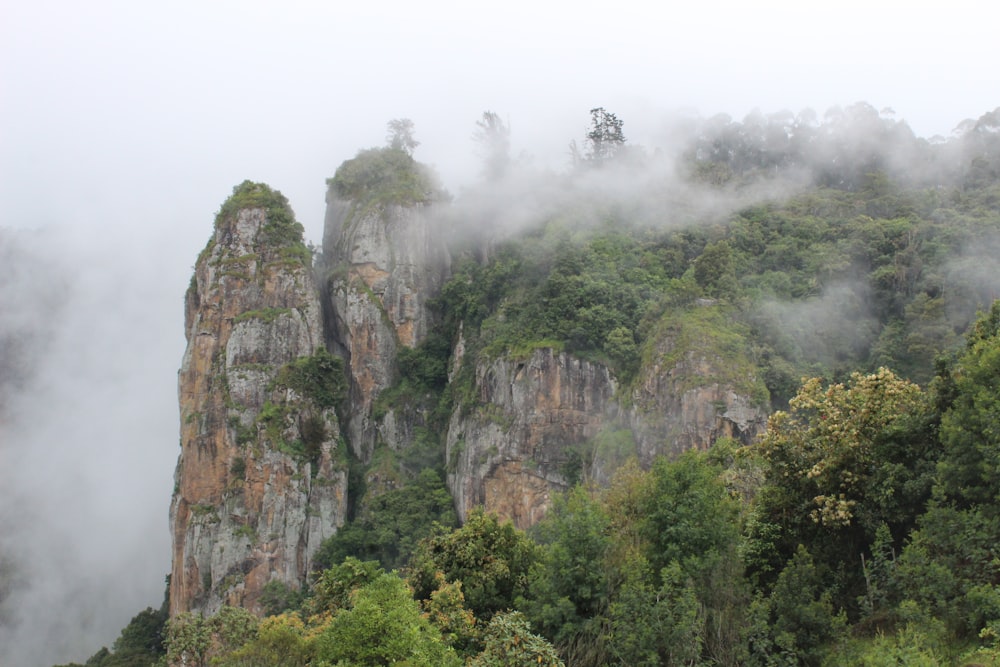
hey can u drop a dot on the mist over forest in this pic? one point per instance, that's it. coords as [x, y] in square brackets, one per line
[91, 328]
[88, 421]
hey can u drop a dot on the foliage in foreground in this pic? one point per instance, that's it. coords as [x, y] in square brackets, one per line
[862, 530]
[667, 566]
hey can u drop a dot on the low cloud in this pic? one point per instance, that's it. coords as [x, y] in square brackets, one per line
[87, 439]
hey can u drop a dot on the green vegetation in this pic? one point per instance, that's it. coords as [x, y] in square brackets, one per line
[492, 559]
[266, 315]
[381, 176]
[246, 531]
[586, 296]
[844, 461]
[862, 529]
[382, 626]
[713, 333]
[319, 381]
[280, 229]
[509, 642]
[872, 267]
[281, 234]
[605, 139]
[392, 524]
[238, 467]
[810, 287]
[319, 378]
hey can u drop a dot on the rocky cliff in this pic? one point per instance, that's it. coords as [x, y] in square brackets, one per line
[384, 262]
[695, 386]
[276, 359]
[260, 480]
[535, 426]
[522, 437]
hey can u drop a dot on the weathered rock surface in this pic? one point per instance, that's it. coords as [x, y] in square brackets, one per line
[385, 262]
[519, 443]
[262, 476]
[688, 398]
[260, 481]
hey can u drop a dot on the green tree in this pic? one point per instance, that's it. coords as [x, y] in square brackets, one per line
[383, 626]
[605, 139]
[656, 624]
[195, 640]
[385, 176]
[277, 597]
[188, 639]
[143, 634]
[688, 515]
[803, 621]
[399, 135]
[447, 611]
[950, 567]
[970, 428]
[334, 586]
[509, 642]
[909, 646]
[281, 641]
[569, 588]
[392, 524]
[949, 563]
[691, 521]
[714, 270]
[841, 462]
[493, 136]
[490, 558]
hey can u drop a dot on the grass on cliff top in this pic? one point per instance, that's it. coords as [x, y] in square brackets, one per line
[281, 229]
[385, 176]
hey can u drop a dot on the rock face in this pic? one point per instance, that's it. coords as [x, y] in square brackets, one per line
[536, 425]
[260, 480]
[520, 442]
[262, 476]
[385, 262]
[688, 395]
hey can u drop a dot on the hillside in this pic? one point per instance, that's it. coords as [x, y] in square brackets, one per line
[740, 394]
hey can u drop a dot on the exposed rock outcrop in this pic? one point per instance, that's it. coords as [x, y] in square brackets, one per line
[262, 476]
[520, 440]
[260, 480]
[690, 393]
[384, 262]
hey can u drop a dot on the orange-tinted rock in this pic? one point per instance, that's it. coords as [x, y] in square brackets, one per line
[385, 263]
[515, 448]
[251, 503]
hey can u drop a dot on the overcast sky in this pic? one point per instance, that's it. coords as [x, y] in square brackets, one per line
[124, 125]
[153, 111]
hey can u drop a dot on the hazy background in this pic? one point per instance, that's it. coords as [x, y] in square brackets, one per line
[124, 125]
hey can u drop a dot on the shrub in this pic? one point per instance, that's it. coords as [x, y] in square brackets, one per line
[387, 176]
[281, 228]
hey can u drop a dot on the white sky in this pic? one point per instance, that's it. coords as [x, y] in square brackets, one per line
[124, 125]
[155, 110]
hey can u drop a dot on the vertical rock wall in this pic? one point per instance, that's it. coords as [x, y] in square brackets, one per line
[384, 263]
[518, 444]
[689, 394]
[262, 475]
[260, 480]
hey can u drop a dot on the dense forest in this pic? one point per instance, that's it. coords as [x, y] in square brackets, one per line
[847, 271]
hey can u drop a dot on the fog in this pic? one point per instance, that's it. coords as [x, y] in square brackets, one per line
[89, 436]
[123, 127]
